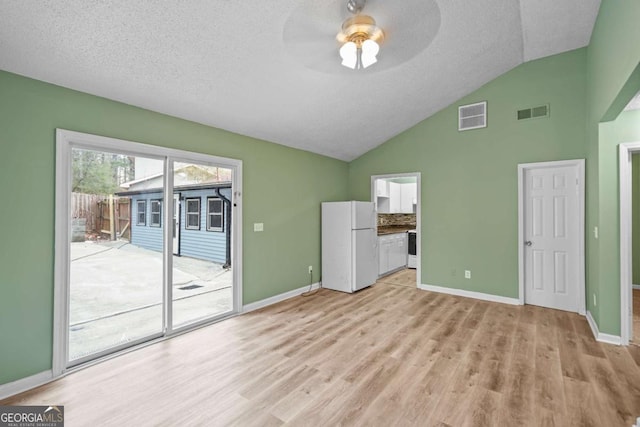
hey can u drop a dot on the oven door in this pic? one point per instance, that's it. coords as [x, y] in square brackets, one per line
[412, 243]
[412, 259]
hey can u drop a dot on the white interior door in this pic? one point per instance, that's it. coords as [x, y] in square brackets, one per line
[551, 237]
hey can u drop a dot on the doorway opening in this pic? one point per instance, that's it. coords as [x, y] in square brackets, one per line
[634, 332]
[147, 244]
[398, 206]
[625, 126]
[629, 160]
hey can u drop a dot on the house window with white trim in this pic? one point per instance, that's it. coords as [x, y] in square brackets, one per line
[156, 209]
[193, 214]
[142, 212]
[215, 214]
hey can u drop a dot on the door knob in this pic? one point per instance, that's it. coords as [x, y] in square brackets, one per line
[528, 243]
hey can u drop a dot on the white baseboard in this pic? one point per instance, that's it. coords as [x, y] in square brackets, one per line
[599, 336]
[24, 384]
[635, 286]
[277, 298]
[470, 294]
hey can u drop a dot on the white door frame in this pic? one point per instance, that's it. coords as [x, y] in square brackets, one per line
[625, 152]
[522, 168]
[67, 140]
[418, 178]
[176, 223]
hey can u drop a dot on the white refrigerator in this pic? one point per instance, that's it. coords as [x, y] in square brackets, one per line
[349, 245]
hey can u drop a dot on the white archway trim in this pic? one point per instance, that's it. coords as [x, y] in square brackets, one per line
[626, 150]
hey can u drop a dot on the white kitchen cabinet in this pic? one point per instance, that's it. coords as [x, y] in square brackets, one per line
[392, 252]
[382, 188]
[382, 196]
[398, 253]
[395, 197]
[384, 247]
[402, 197]
[392, 197]
[407, 197]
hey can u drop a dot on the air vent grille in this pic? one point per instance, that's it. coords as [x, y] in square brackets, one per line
[533, 112]
[472, 116]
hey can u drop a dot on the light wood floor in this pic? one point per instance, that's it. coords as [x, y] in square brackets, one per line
[385, 356]
[406, 277]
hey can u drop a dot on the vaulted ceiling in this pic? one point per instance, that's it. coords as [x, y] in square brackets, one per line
[271, 69]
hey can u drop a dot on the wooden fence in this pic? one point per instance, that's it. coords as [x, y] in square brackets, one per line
[85, 206]
[114, 217]
[108, 216]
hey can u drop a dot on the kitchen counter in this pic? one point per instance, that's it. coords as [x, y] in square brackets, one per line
[392, 229]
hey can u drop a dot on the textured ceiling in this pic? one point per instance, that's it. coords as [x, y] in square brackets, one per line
[236, 65]
[634, 104]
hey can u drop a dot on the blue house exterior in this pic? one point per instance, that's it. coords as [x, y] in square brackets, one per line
[203, 229]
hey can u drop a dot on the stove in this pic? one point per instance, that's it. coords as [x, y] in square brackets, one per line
[412, 259]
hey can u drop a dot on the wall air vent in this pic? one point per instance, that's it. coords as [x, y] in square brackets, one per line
[533, 113]
[472, 116]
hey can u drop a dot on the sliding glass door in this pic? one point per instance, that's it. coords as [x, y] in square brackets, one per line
[202, 272]
[115, 247]
[147, 247]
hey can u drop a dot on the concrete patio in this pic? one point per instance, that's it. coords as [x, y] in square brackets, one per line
[116, 294]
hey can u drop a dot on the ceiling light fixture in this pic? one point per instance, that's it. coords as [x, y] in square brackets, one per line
[360, 38]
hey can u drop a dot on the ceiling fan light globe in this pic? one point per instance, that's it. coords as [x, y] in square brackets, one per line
[369, 51]
[368, 60]
[369, 47]
[349, 54]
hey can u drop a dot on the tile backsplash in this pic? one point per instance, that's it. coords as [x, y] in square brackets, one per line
[386, 220]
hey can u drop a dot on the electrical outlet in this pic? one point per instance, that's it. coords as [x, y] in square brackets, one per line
[310, 269]
[595, 232]
[595, 302]
[258, 226]
[467, 274]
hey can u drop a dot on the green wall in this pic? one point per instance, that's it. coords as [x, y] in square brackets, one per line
[613, 77]
[626, 128]
[469, 179]
[283, 188]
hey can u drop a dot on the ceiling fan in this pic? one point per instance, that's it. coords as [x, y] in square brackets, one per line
[360, 36]
[338, 36]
